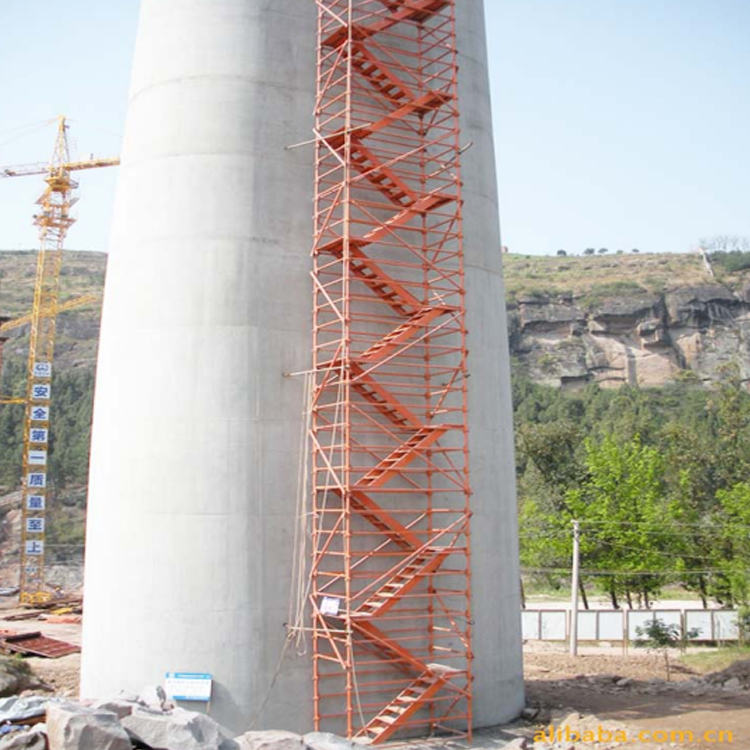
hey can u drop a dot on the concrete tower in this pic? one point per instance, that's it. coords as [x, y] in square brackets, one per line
[196, 430]
[496, 602]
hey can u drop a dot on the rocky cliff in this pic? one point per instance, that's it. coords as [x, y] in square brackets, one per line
[612, 319]
[634, 336]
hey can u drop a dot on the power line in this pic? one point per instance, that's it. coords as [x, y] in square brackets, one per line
[629, 573]
[666, 531]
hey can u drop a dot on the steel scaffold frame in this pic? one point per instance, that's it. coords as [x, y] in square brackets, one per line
[390, 593]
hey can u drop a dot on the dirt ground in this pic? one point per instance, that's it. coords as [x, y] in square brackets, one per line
[556, 682]
[556, 686]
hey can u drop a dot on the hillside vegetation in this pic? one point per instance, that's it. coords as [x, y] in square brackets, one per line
[601, 277]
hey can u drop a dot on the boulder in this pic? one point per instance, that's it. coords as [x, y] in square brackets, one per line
[72, 726]
[28, 739]
[733, 684]
[177, 730]
[278, 740]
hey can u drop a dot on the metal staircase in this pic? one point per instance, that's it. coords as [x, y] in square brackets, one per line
[390, 598]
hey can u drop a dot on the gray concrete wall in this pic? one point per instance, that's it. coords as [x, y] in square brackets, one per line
[498, 685]
[207, 304]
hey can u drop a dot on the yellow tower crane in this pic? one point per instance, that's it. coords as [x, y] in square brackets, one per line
[53, 220]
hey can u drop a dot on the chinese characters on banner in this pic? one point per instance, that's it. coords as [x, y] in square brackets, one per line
[35, 502]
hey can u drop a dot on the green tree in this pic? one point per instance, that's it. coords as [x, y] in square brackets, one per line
[620, 505]
[657, 636]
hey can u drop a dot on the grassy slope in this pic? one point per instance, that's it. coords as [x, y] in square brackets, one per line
[715, 659]
[607, 275]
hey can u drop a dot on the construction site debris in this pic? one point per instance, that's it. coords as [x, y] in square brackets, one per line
[33, 615]
[75, 604]
[70, 725]
[37, 644]
[62, 619]
[17, 710]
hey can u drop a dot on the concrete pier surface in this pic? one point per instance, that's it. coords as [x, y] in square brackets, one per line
[496, 592]
[196, 437]
[207, 304]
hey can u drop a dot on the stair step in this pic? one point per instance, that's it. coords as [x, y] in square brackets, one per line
[402, 707]
[381, 519]
[398, 586]
[416, 325]
[404, 455]
[416, 11]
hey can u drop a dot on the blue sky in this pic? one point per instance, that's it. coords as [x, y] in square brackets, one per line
[617, 124]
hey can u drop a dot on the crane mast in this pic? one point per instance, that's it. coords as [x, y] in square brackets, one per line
[54, 221]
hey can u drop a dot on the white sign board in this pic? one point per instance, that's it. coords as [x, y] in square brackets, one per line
[41, 392]
[726, 625]
[587, 622]
[37, 458]
[188, 686]
[34, 547]
[42, 370]
[330, 606]
[554, 626]
[35, 502]
[530, 625]
[611, 626]
[40, 413]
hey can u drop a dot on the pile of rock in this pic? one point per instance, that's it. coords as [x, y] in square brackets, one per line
[734, 677]
[127, 722]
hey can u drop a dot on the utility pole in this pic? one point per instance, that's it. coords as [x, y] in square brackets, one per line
[574, 589]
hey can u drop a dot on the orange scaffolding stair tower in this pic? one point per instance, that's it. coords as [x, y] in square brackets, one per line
[391, 578]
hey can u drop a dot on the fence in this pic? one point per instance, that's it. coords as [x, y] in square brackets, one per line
[620, 625]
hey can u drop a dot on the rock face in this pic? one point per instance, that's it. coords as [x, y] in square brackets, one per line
[637, 338]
